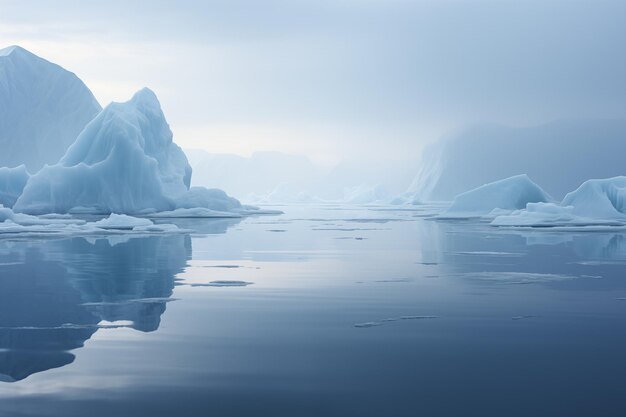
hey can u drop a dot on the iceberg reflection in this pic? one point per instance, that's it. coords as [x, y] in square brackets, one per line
[54, 294]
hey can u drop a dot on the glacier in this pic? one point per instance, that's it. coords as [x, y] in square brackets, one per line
[43, 108]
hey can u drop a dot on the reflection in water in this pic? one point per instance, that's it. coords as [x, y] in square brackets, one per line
[54, 293]
[416, 314]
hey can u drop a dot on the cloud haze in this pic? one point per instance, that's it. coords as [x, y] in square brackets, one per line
[337, 78]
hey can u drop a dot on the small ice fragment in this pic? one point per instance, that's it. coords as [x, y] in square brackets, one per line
[523, 317]
[368, 324]
[392, 319]
[223, 284]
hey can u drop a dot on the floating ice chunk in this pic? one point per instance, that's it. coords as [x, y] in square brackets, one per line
[368, 324]
[222, 284]
[18, 223]
[538, 214]
[224, 266]
[523, 317]
[508, 194]
[122, 222]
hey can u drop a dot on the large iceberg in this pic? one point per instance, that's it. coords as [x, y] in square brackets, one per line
[43, 108]
[124, 162]
[504, 195]
[561, 155]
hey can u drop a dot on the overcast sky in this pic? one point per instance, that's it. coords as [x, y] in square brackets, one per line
[371, 78]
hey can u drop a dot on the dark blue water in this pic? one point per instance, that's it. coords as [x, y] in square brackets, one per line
[319, 312]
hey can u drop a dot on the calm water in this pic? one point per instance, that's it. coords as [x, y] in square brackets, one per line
[323, 311]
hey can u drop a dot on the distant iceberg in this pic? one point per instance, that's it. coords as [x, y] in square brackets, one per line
[366, 194]
[561, 155]
[504, 195]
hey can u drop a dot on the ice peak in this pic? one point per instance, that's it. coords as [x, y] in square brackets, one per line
[145, 98]
[14, 49]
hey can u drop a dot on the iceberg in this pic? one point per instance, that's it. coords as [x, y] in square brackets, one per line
[490, 199]
[12, 183]
[124, 161]
[43, 108]
[560, 154]
[597, 202]
[603, 198]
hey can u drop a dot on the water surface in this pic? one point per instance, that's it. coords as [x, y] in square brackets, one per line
[323, 311]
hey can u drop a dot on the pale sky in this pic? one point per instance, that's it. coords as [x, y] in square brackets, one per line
[334, 79]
